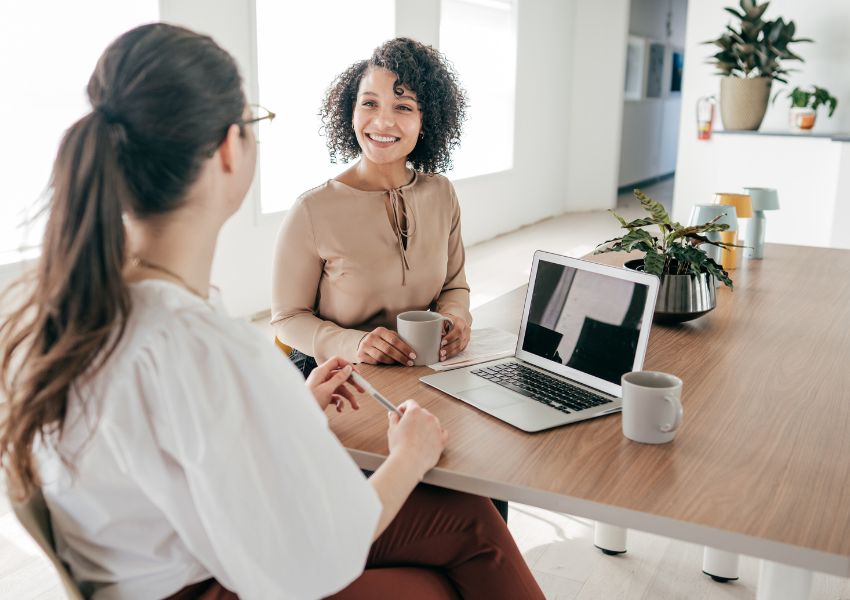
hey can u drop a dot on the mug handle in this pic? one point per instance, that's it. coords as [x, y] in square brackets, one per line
[449, 323]
[676, 404]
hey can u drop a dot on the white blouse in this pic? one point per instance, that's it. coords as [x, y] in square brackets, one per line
[198, 452]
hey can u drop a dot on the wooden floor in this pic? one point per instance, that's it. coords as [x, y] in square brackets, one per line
[559, 548]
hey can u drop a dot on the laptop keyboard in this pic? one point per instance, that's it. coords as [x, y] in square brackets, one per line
[547, 390]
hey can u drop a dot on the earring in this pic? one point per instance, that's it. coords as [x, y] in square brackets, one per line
[421, 134]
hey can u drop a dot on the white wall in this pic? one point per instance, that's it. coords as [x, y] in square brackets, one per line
[651, 125]
[827, 64]
[840, 235]
[418, 19]
[804, 170]
[535, 187]
[570, 67]
[596, 110]
[242, 265]
[567, 127]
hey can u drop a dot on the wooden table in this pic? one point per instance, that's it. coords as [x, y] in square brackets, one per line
[761, 465]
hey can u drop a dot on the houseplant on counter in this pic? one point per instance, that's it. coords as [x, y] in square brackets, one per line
[750, 58]
[804, 106]
[687, 273]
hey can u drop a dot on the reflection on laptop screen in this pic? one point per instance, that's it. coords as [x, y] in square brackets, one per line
[584, 320]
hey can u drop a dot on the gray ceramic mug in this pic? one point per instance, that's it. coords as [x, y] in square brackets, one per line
[652, 406]
[422, 330]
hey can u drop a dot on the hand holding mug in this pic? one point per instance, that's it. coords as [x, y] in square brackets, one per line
[384, 346]
[423, 331]
[456, 339]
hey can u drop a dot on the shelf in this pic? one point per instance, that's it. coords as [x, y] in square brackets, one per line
[834, 136]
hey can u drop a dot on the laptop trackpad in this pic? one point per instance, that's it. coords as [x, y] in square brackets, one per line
[489, 397]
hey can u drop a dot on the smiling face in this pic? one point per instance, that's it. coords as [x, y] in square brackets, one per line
[386, 124]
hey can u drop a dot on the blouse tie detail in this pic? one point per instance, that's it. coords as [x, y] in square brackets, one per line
[403, 226]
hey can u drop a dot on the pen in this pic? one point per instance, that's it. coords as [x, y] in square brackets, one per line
[361, 381]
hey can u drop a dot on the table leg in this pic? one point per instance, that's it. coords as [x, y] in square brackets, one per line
[781, 582]
[609, 538]
[720, 565]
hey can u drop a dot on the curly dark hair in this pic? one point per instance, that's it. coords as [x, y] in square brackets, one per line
[429, 75]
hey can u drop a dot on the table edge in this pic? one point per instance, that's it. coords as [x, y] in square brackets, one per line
[815, 560]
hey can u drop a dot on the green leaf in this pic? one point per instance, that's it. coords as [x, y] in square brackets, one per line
[604, 247]
[645, 247]
[758, 11]
[775, 31]
[653, 207]
[833, 102]
[696, 261]
[691, 230]
[718, 272]
[653, 263]
[688, 257]
[619, 218]
[637, 236]
[701, 239]
[641, 223]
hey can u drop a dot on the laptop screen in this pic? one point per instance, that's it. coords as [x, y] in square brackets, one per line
[587, 321]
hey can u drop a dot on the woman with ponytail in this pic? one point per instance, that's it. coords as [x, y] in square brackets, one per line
[176, 456]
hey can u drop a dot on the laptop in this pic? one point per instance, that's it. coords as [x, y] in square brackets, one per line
[583, 326]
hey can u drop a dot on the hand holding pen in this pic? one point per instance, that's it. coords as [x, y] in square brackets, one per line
[413, 430]
[329, 382]
[414, 433]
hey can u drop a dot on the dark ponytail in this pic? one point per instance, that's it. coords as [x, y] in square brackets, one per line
[163, 98]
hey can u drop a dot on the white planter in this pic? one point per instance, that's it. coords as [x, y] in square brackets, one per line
[801, 119]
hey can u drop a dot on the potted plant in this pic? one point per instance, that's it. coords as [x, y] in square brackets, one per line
[750, 57]
[687, 273]
[804, 105]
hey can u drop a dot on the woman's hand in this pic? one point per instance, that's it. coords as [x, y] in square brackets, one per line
[416, 436]
[383, 346]
[328, 382]
[457, 339]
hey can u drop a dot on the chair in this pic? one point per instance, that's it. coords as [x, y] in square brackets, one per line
[286, 349]
[35, 518]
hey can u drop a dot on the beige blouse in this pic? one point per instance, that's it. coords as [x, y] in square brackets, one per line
[343, 265]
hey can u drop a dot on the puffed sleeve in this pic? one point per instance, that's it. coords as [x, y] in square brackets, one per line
[235, 452]
[454, 297]
[296, 272]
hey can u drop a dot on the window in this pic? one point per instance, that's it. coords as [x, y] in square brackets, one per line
[300, 50]
[487, 70]
[49, 51]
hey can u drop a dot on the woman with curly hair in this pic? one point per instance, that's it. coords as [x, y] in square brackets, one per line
[382, 237]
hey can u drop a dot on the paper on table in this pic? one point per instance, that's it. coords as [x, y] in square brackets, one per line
[484, 344]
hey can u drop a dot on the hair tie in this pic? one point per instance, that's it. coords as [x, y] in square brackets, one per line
[107, 113]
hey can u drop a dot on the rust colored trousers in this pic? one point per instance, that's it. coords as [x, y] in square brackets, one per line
[441, 545]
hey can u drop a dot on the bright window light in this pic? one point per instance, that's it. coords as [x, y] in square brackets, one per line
[48, 50]
[487, 70]
[301, 47]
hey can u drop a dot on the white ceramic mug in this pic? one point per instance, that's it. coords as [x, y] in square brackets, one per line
[652, 406]
[423, 331]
